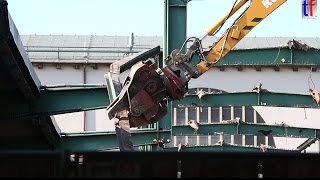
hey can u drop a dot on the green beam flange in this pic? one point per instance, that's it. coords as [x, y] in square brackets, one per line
[249, 99]
[227, 149]
[100, 141]
[54, 101]
[247, 128]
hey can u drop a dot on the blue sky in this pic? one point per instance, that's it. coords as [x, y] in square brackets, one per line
[146, 17]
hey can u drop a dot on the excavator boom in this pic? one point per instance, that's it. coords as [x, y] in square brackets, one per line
[251, 17]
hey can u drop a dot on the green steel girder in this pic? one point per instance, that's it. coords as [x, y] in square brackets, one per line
[249, 99]
[67, 100]
[306, 144]
[227, 149]
[54, 101]
[175, 32]
[271, 57]
[99, 141]
[165, 123]
[246, 128]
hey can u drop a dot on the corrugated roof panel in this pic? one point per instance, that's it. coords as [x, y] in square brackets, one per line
[311, 42]
[148, 41]
[110, 45]
[122, 41]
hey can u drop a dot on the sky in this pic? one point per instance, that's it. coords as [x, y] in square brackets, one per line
[146, 18]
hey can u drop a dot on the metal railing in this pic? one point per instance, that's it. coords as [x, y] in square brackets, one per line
[81, 53]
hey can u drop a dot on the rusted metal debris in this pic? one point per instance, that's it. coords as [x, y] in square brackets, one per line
[315, 95]
[297, 44]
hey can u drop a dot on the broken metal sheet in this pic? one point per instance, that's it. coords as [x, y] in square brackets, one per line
[113, 86]
[315, 95]
[296, 44]
[127, 62]
[122, 126]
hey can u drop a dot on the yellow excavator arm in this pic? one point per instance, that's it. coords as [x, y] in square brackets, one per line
[251, 17]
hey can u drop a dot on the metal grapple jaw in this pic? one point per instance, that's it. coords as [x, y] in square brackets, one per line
[146, 92]
[147, 89]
